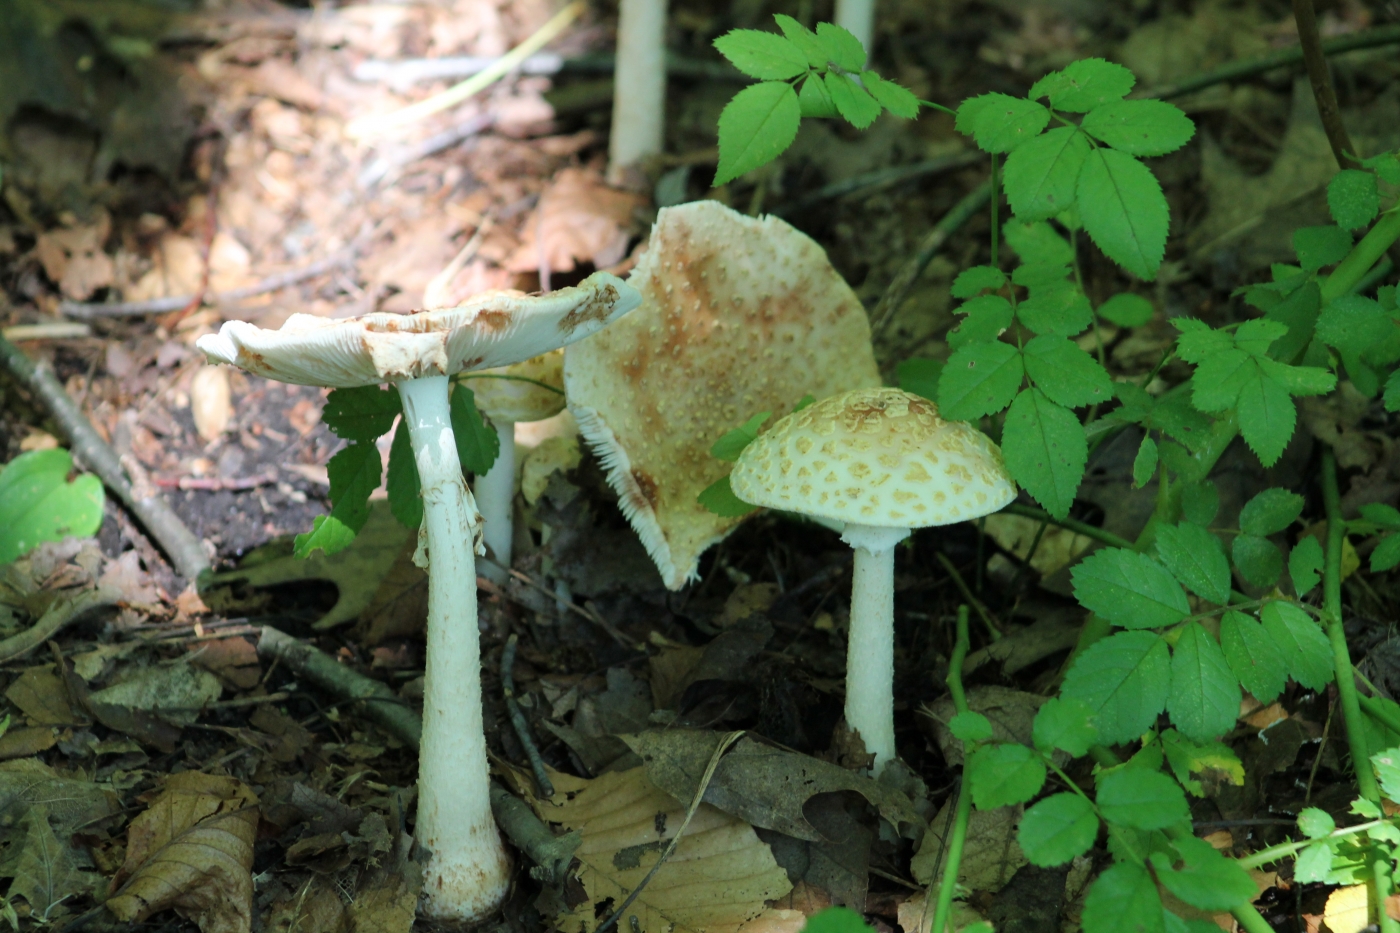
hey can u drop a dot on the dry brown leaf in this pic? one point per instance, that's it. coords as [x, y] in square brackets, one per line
[40, 694]
[177, 269]
[579, 219]
[991, 854]
[235, 660]
[192, 850]
[387, 901]
[74, 258]
[1057, 547]
[314, 907]
[915, 915]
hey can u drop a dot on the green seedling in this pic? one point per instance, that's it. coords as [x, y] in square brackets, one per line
[39, 502]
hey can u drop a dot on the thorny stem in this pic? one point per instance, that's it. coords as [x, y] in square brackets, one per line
[1316, 63]
[1332, 606]
[1285, 849]
[1383, 886]
[963, 812]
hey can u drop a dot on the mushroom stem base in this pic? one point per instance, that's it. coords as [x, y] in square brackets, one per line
[870, 644]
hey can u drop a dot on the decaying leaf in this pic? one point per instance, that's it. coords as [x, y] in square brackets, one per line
[1011, 712]
[990, 856]
[176, 691]
[717, 880]
[192, 850]
[39, 693]
[71, 804]
[916, 915]
[45, 871]
[578, 219]
[1057, 547]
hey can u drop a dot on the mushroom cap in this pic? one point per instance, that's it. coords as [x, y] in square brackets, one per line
[516, 400]
[876, 457]
[492, 329]
[739, 315]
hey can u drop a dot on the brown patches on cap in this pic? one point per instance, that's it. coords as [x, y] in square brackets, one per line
[598, 308]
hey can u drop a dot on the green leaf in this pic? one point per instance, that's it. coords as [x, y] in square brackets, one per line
[1297, 380]
[841, 46]
[1002, 775]
[1205, 878]
[814, 99]
[1064, 724]
[1320, 246]
[1175, 416]
[1004, 122]
[732, 443]
[1124, 679]
[852, 101]
[1219, 379]
[1145, 463]
[1306, 652]
[1267, 416]
[354, 473]
[1257, 662]
[1058, 829]
[1353, 198]
[1123, 899]
[1140, 127]
[836, 920]
[920, 376]
[1129, 589]
[1387, 765]
[1199, 342]
[896, 99]
[1392, 392]
[39, 504]
[719, 498]
[755, 127]
[1197, 765]
[405, 492]
[762, 55]
[987, 316]
[1258, 559]
[1058, 309]
[968, 112]
[1045, 450]
[477, 443]
[1195, 557]
[1038, 242]
[805, 39]
[1270, 512]
[1126, 310]
[1041, 174]
[1200, 502]
[1382, 515]
[970, 727]
[1141, 799]
[1083, 85]
[1314, 864]
[1386, 555]
[1254, 337]
[1051, 275]
[1066, 373]
[1354, 324]
[1124, 211]
[1305, 565]
[971, 282]
[364, 413]
[1205, 696]
[1315, 823]
[979, 379]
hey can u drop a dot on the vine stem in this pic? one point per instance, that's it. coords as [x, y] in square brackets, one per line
[963, 811]
[1332, 608]
[1316, 63]
[1362, 257]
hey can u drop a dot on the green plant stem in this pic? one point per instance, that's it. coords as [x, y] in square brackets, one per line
[1223, 432]
[1069, 524]
[1250, 919]
[962, 815]
[1332, 606]
[1379, 712]
[1362, 257]
[1383, 886]
[1288, 849]
[1318, 75]
[955, 663]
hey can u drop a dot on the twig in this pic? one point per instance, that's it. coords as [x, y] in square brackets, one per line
[1316, 63]
[213, 483]
[992, 625]
[410, 71]
[58, 330]
[384, 164]
[1070, 524]
[517, 719]
[186, 552]
[590, 615]
[63, 611]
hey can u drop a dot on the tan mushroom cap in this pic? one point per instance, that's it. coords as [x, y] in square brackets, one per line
[878, 457]
[514, 399]
[492, 329]
[739, 315]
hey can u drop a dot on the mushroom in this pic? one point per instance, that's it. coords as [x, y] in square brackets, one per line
[468, 871]
[528, 391]
[739, 315]
[883, 462]
[639, 86]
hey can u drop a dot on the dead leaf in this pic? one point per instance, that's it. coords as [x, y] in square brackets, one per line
[136, 723]
[125, 576]
[292, 737]
[387, 901]
[1058, 547]
[916, 915]
[192, 850]
[234, 660]
[579, 219]
[40, 695]
[991, 854]
[1012, 712]
[30, 740]
[176, 691]
[71, 803]
[211, 401]
[75, 260]
[45, 871]
[314, 907]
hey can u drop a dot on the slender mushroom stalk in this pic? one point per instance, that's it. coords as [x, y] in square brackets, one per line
[468, 872]
[639, 86]
[884, 462]
[858, 18]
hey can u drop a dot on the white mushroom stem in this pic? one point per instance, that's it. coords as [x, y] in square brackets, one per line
[639, 86]
[495, 496]
[858, 18]
[870, 642]
[469, 872]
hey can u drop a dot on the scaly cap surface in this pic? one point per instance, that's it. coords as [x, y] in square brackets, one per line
[517, 400]
[739, 315]
[492, 329]
[878, 457]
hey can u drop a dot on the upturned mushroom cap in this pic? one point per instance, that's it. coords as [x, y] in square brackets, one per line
[877, 457]
[517, 400]
[739, 315]
[493, 329]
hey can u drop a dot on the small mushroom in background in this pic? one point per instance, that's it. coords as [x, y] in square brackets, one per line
[468, 873]
[739, 315]
[858, 18]
[525, 392]
[639, 87]
[883, 462]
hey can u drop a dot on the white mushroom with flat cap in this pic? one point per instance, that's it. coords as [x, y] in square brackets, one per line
[468, 873]
[883, 462]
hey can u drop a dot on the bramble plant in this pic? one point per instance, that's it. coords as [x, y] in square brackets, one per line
[1148, 647]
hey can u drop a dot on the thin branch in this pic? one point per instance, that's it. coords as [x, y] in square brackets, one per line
[1316, 62]
[517, 719]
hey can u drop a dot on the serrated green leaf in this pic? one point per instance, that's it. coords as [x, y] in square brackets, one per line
[1140, 127]
[1033, 275]
[1204, 878]
[1298, 309]
[1320, 246]
[1005, 122]
[814, 99]
[403, 485]
[1002, 775]
[1065, 373]
[1314, 864]
[1306, 652]
[1145, 463]
[1199, 342]
[1174, 415]
[1258, 559]
[1205, 696]
[1038, 242]
[1387, 767]
[986, 318]
[1127, 310]
[732, 443]
[1064, 724]
[852, 101]
[1353, 198]
[1298, 380]
[1041, 174]
[971, 282]
[1057, 829]
[979, 379]
[920, 376]
[1252, 655]
[1392, 392]
[1305, 565]
[1354, 324]
[719, 498]
[1386, 166]
[1267, 416]
[1255, 337]
[970, 727]
[1219, 379]
[1141, 799]
[477, 443]
[762, 55]
[1197, 764]
[1124, 679]
[1386, 555]
[1315, 823]
[364, 413]
[1195, 557]
[1129, 589]
[1123, 899]
[1061, 309]
[968, 111]
[756, 127]
[354, 473]
[1124, 211]
[805, 39]
[895, 98]
[39, 504]
[1084, 85]
[1200, 502]
[1045, 449]
[841, 46]
[1270, 512]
